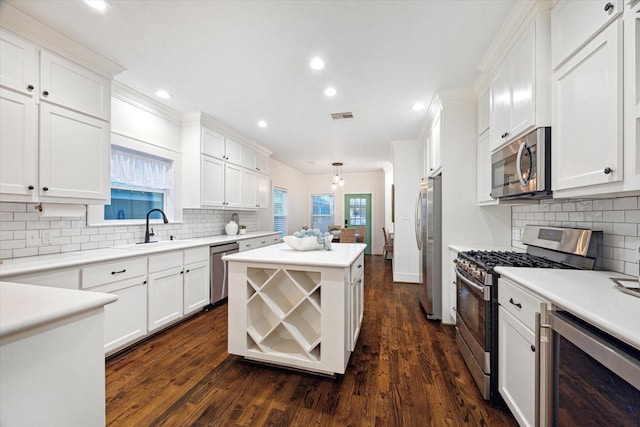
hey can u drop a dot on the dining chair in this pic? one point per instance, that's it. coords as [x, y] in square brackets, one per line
[348, 235]
[388, 246]
[362, 234]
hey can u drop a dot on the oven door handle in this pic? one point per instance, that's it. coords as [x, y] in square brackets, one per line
[485, 291]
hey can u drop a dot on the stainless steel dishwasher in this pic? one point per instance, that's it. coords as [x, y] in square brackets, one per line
[219, 276]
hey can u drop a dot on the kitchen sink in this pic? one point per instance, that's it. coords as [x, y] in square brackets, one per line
[160, 244]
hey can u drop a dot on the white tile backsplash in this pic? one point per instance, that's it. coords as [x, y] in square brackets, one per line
[617, 218]
[73, 234]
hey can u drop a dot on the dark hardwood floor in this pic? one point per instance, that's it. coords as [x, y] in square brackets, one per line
[405, 371]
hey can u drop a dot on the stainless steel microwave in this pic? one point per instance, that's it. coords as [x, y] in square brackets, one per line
[522, 169]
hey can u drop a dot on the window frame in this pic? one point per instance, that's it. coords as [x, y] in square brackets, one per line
[286, 208]
[173, 196]
[333, 214]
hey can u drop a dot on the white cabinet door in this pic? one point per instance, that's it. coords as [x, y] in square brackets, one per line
[74, 155]
[212, 181]
[483, 113]
[500, 104]
[233, 186]
[484, 171]
[68, 84]
[165, 297]
[249, 189]
[196, 286]
[574, 22]
[435, 159]
[18, 146]
[264, 192]
[587, 132]
[233, 152]
[212, 144]
[18, 65]
[125, 320]
[523, 67]
[248, 158]
[516, 376]
[262, 164]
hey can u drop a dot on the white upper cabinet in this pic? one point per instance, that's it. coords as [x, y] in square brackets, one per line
[575, 22]
[520, 86]
[212, 144]
[54, 127]
[588, 116]
[233, 152]
[484, 172]
[67, 84]
[262, 164]
[74, 155]
[483, 113]
[19, 65]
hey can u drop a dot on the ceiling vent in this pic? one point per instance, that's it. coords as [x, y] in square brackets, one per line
[340, 116]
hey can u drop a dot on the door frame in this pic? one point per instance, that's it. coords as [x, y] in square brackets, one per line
[368, 215]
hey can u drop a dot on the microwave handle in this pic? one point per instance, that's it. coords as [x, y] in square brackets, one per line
[518, 168]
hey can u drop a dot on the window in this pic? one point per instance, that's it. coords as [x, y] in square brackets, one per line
[143, 177]
[280, 211]
[322, 211]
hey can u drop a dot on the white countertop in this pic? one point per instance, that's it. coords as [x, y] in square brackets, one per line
[340, 255]
[35, 264]
[25, 307]
[590, 295]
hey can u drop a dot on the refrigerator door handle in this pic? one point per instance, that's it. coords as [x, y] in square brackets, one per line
[418, 225]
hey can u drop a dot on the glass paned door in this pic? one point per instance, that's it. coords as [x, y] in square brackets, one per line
[358, 214]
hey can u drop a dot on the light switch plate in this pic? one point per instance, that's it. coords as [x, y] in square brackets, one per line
[32, 238]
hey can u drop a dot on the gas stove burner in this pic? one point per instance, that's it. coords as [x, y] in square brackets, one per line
[490, 259]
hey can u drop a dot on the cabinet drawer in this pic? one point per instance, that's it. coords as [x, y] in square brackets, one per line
[165, 261]
[248, 244]
[101, 274]
[357, 267]
[196, 255]
[575, 22]
[522, 305]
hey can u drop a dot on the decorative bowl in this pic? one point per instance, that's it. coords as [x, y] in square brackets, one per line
[309, 243]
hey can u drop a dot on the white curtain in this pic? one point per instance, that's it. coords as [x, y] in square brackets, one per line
[137, 169]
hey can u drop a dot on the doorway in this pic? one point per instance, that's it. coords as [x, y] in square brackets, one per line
[357, 213]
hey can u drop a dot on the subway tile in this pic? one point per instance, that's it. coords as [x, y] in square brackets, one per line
[20, 234]
[60, 224]
[568, 207]
[12, 207]
[31, 251]
[26, 216]
[556, 207]
[6, 216]
[88, 246]
[37, 225]
[6, 253]
[549, 216]
[613, 264]
[632, 242]
[13, 244]
[97, 238]
[70, 248]
[6, 235]
[61, 240]
[602, 204]
[576, 216]
[80, 239]
[631, 268]
[584, 205]
[607, 252]
[626, 255]
[613, 216]
[594, 216]
[16, 225]
[584, 224]
[632, 216]
[89, 231]
[625, 229]
[70, 232]
[625, 203]
[562, 216]
[613, 240]
[44, 250]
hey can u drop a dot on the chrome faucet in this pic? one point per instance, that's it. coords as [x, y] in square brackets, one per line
[147, 234]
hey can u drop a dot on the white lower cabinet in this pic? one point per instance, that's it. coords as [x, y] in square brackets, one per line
[356, 302]
[517, 350]
[126, 318]
[196, 279]
[165, 297]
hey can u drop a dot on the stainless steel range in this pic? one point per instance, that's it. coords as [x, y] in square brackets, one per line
[477, 291]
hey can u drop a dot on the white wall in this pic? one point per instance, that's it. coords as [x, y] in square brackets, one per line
[365, 183]
[294, 182]
[407, 167]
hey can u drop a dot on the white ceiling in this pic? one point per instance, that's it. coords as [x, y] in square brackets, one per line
[242, 61]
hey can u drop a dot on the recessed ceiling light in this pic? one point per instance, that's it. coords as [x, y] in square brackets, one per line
[100, 5]
[317, 64]
[418, 106]
[262, 124]
[163, 94]
[330, 91]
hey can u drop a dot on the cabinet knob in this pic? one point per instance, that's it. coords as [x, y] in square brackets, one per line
[533, 348]
[607, 170]
[45, 93]
[30, 88]
[45, 188]
[608, 7]
[31, 187]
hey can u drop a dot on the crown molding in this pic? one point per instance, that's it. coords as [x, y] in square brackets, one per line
[45, 37]
[130, 96]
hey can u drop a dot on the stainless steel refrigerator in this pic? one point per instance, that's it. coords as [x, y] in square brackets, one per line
[429, 238]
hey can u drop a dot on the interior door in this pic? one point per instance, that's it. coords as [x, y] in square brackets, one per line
[358, 213]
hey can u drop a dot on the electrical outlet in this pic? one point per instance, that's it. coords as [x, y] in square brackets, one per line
[47, 237]
[32, 238]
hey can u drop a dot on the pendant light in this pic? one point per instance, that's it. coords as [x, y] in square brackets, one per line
[338, 181]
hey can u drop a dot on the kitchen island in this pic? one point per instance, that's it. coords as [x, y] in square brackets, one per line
[296, 309]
